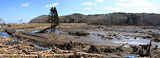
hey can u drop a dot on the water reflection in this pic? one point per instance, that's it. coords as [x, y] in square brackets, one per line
[101, 37]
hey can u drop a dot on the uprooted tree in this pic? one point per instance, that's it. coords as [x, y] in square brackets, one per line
[53, 19]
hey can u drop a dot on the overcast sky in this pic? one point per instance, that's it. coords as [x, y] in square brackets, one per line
[12, 11]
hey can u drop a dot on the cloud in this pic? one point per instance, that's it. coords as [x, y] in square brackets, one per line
[52, 5]
[99, 0]
[135, 6]
[92, 3]
[25, 5]
[133, 3]
[87, 8]
[88, 3]
[147, 10]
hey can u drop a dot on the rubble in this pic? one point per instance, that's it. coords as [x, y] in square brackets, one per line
[77, 43]
[26, 48]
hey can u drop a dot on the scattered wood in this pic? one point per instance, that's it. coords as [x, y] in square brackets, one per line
[135, 49]
[46, 55]
[145, 50]
[93, 49]
[120, 48]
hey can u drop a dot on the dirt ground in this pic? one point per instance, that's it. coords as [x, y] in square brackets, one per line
[106, 41]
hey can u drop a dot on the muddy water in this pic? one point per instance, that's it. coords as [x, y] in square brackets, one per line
[99, 36]
[156, 31]
[102, 37]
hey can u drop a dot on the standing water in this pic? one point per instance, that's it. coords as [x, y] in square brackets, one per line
[35, 31]
[56, 31]
[2, 34]
[102, 37]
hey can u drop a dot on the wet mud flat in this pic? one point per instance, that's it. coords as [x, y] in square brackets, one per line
[117, 41]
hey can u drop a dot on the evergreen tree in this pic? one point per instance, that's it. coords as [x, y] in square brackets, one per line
[53, 18]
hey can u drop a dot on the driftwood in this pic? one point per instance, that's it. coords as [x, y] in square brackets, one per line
[145, 49]
[94, 49]
[135, 49]
[35, 55]
[156, 37]
[119, 48]
[49, 55]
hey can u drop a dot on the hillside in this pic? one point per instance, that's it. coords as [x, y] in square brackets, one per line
[148, 19]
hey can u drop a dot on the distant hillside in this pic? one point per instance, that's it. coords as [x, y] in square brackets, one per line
[107, 19]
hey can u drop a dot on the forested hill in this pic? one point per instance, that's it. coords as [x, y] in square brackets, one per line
[147, 19]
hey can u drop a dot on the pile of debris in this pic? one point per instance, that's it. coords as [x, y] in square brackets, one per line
[18, 47]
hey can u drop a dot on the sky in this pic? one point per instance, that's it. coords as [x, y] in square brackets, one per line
[12, 11]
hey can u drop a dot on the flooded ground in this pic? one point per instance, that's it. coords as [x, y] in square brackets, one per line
[113, 36]
[120, 38]
[136, 30]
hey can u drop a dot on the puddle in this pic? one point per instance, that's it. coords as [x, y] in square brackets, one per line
[2, 34]
[99, 29]
[133, 41]
[39, 47]
[95, 37]
[156, 43]
[60, 32]
[159, 33]
[56, 31]
[101, 37]
[35, 31]
[156, 31]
